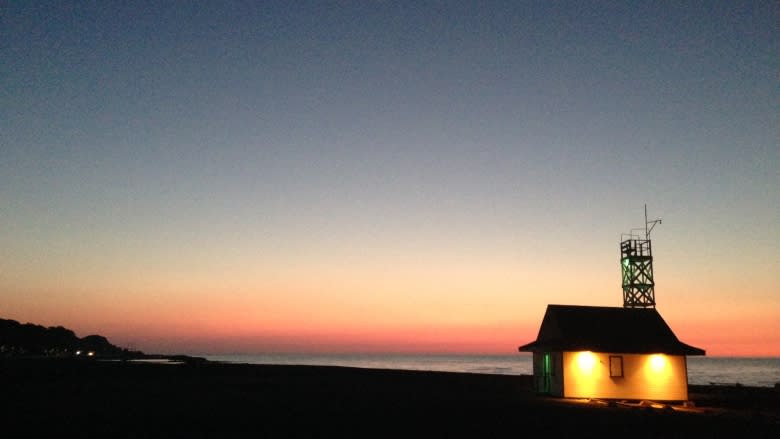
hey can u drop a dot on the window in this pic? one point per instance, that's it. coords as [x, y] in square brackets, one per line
[615, 366]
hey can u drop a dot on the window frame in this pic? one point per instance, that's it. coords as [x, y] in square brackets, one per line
[618, 359]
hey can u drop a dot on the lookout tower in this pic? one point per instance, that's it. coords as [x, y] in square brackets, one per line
[636, 262]
[612, 352]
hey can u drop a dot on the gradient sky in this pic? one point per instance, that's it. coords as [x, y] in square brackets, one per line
[209, 177]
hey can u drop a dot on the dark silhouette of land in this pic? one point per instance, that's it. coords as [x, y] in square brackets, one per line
[28, 339]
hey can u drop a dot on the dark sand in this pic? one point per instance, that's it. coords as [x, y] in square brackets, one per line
[112, 399]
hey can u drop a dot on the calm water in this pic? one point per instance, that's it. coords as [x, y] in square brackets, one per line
[763, 372]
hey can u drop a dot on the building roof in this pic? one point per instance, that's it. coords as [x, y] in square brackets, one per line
[607, 329]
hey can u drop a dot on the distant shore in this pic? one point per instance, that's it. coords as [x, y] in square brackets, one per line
[193, 397]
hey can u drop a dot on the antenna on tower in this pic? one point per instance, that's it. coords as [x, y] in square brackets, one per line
[650, 224]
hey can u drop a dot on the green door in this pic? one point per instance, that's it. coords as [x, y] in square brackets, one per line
[546, 373]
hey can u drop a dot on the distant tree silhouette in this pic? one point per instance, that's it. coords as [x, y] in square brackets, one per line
[29, 339]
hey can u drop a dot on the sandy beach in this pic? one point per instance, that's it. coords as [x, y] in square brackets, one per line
[204, 399]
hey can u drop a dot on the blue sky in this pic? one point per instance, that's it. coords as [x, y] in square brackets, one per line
[155, 139]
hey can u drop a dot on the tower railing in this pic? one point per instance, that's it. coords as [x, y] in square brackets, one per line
[636, 261]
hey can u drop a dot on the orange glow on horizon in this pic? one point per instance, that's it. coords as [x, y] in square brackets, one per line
[232, 330]
[320, 315]
[460, 340]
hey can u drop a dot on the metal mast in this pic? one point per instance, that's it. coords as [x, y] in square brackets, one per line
[636, 262]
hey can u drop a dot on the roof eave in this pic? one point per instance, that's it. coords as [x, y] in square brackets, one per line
[530, 347]
[683, 349]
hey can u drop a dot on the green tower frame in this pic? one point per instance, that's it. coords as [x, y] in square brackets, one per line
[636, 265]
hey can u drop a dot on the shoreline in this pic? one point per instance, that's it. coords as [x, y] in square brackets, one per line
[204, 398]
[755, 372]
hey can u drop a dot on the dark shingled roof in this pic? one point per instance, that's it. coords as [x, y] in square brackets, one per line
[607, 329]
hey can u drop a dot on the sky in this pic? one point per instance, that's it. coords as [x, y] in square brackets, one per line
[385, 176]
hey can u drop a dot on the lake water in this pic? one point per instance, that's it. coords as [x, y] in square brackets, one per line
[763, 372]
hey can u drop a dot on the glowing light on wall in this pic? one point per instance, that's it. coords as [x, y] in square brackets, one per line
[658, 362]
[586, 361]
[581, 373]
[658, 370]
[654, 376]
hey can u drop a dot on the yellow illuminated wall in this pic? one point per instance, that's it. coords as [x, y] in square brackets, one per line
[653, 377]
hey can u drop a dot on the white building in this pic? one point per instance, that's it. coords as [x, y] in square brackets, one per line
[609, 353]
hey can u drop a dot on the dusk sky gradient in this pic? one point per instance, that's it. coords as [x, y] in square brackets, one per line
[377, 176]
